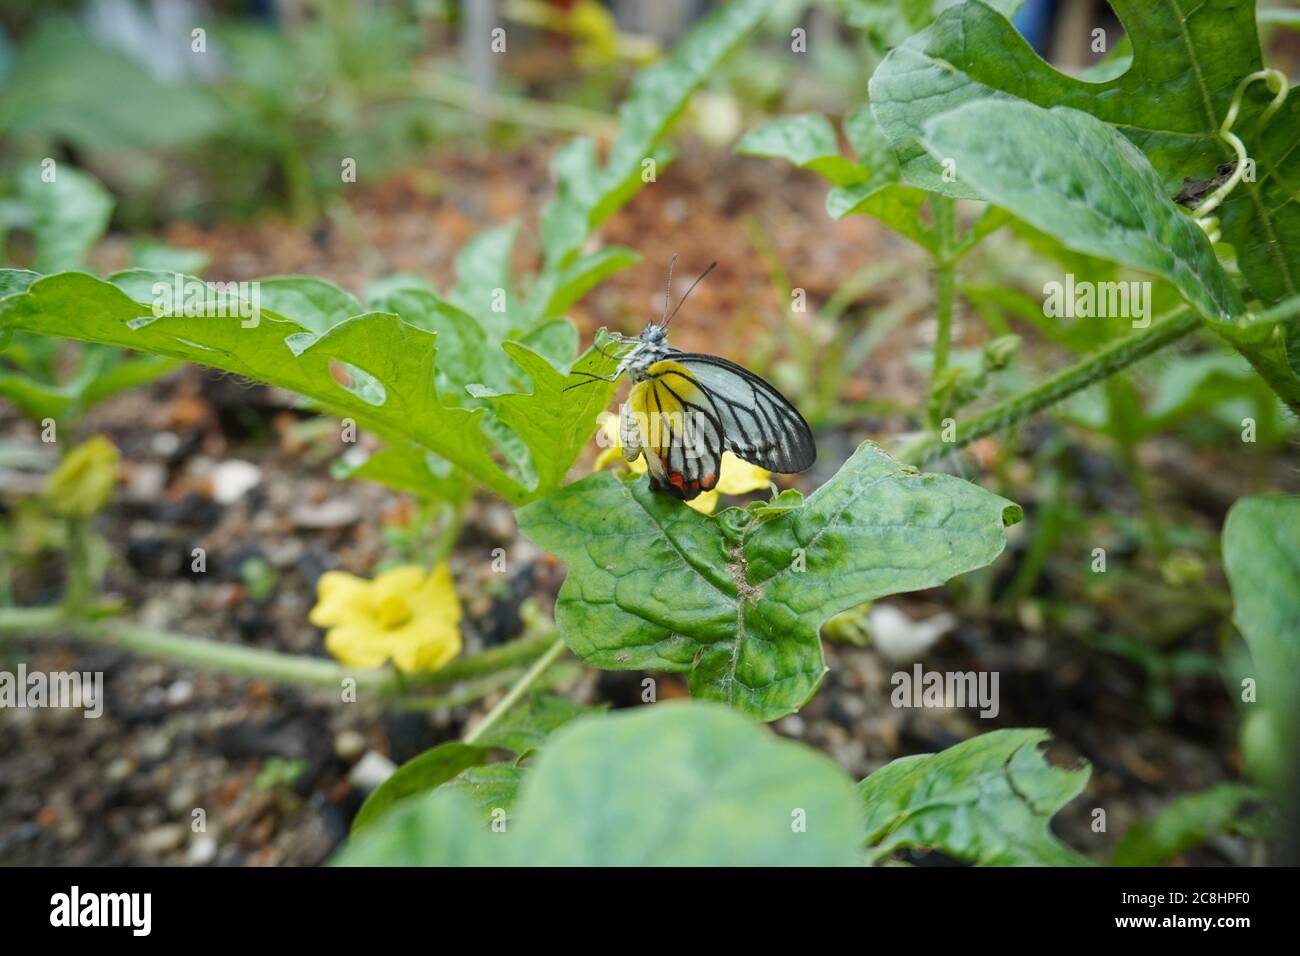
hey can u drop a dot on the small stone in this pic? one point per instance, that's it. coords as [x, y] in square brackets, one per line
[900, 639]
[333, 513]
[202, 851]
[155, 746]
[161, 839]
[792, 726]
[180, 693]
[370, 771]
[166, 444]
[282, 552]
[233, 479]
[145, 481]
[349, 744]
[182, 800]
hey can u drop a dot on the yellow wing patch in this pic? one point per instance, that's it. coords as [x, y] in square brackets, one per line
[671, 419]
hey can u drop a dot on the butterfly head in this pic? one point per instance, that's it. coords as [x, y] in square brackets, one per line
[654, 334]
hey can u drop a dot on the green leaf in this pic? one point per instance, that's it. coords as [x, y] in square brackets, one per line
[161, 257]
[682, 784]
[807, 141]
[68, 216]
[655, 585]
[1261, 557]
[1080, 181]
[556, 419]
[869, 187]
[438, 828]
[428, 770]
[555, 340]
[13, 281]
[408, 469]
[491, 788]
[587, 193]
[986, 801]
[1187, 822]
[483, 287]
[313, 303]
[64, 86]
[467, 355]
[556, 292]
[973, 52]
[525, 728]
[372, 367]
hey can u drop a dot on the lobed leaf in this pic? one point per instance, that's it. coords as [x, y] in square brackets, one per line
[655, 585]
[1080, 181]
[987, 801]
[1186, 65]
[373, 367]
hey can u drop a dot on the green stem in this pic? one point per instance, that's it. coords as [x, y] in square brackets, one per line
[271, 665]
[79, 588]
[945, 288]
[1097, 366]
[518, 690]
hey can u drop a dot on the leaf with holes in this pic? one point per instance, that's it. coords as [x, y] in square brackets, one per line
[736, 600]
[986, 801]
[373, 367]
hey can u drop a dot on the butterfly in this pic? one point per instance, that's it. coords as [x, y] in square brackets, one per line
[686, 408]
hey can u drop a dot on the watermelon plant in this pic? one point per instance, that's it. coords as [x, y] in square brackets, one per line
[474, 388]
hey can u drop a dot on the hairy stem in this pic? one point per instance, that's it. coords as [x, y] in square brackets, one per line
[1097, 366]
[945, 287]
[270, 665]
[518, 690]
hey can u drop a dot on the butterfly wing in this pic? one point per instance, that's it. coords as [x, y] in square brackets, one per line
[677, 426]
[757, 422]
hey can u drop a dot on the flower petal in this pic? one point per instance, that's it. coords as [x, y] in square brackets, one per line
[358, 645]
[339, 596]
[705, 503]
[739, 477]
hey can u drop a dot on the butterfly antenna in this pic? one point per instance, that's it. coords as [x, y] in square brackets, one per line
[688, 292]
[668, 291]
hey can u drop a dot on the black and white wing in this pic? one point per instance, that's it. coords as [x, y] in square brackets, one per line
[758, 423]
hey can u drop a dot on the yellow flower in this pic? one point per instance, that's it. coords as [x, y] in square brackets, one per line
[404, 615]
[84, 480]
[737, 477]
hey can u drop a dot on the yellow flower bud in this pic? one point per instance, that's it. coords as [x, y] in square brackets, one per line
[83, 482]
